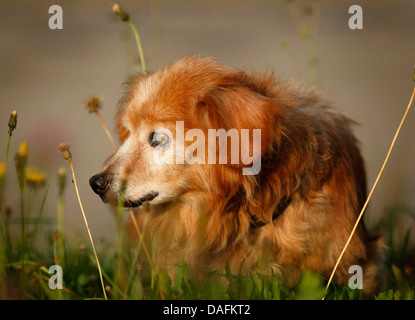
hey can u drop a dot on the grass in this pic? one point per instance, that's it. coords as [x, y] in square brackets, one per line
[64, 148]
[129, 273]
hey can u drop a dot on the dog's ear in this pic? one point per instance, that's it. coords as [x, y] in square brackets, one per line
[239, 109]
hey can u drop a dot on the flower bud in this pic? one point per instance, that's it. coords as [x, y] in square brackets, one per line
[64, 148]
[116, 8]
[12, 122]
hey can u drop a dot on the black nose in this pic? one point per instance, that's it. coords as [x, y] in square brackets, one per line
[99, 184]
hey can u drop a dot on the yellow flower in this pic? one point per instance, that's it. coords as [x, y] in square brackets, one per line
[23, 149]
[20, 160]
[92, 104]
[304, 33]
[35, 178]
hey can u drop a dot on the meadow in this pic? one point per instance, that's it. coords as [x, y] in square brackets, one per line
[128, 273]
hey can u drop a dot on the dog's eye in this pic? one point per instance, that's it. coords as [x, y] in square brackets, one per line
[158, 139]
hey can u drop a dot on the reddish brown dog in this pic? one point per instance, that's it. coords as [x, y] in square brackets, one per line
[295, 212]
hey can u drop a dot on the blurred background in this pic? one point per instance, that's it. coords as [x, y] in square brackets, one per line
[46, 75]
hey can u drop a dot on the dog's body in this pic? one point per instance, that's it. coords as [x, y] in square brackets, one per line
[295, 213]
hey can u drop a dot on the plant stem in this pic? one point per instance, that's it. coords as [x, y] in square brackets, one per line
[5, 161]
[153, 270]
[60, 232]
[140, 236]
[23, 240]
[373, 188]
[3, 237]
[106, 130]
[120, 271]
[139, 46]
[87, 227]
[308, 34]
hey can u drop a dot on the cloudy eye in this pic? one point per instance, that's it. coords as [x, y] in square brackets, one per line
[158, 139]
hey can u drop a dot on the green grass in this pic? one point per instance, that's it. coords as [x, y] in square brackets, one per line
[127, 274]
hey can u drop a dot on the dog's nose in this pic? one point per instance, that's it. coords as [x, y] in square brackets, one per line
[99, 184]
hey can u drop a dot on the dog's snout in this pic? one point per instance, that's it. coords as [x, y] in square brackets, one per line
[99, 183]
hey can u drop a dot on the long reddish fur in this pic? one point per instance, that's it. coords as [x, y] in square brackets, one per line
[308, 152]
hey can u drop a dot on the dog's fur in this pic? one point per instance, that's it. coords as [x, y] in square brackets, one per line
[204, 213]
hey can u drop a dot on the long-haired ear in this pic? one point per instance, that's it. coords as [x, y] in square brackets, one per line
[244, 115]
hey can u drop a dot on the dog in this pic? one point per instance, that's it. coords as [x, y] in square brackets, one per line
[291, 205]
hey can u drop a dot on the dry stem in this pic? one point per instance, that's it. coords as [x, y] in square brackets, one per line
[87, 227]
[373, 188]
[137, 229]
[106, 130]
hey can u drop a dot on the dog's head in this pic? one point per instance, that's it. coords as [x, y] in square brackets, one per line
[184, 126]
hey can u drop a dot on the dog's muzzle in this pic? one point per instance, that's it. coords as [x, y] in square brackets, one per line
[137, 203]
[99, 183]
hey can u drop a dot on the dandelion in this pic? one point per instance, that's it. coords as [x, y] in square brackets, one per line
[35, 178]
[64, 148]
[12, 122]
[20, 160]
[93, 104]
[67, 155]
[23, 149]
[116, 8]
[3, 256]
[12, 126]
[304, 33]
